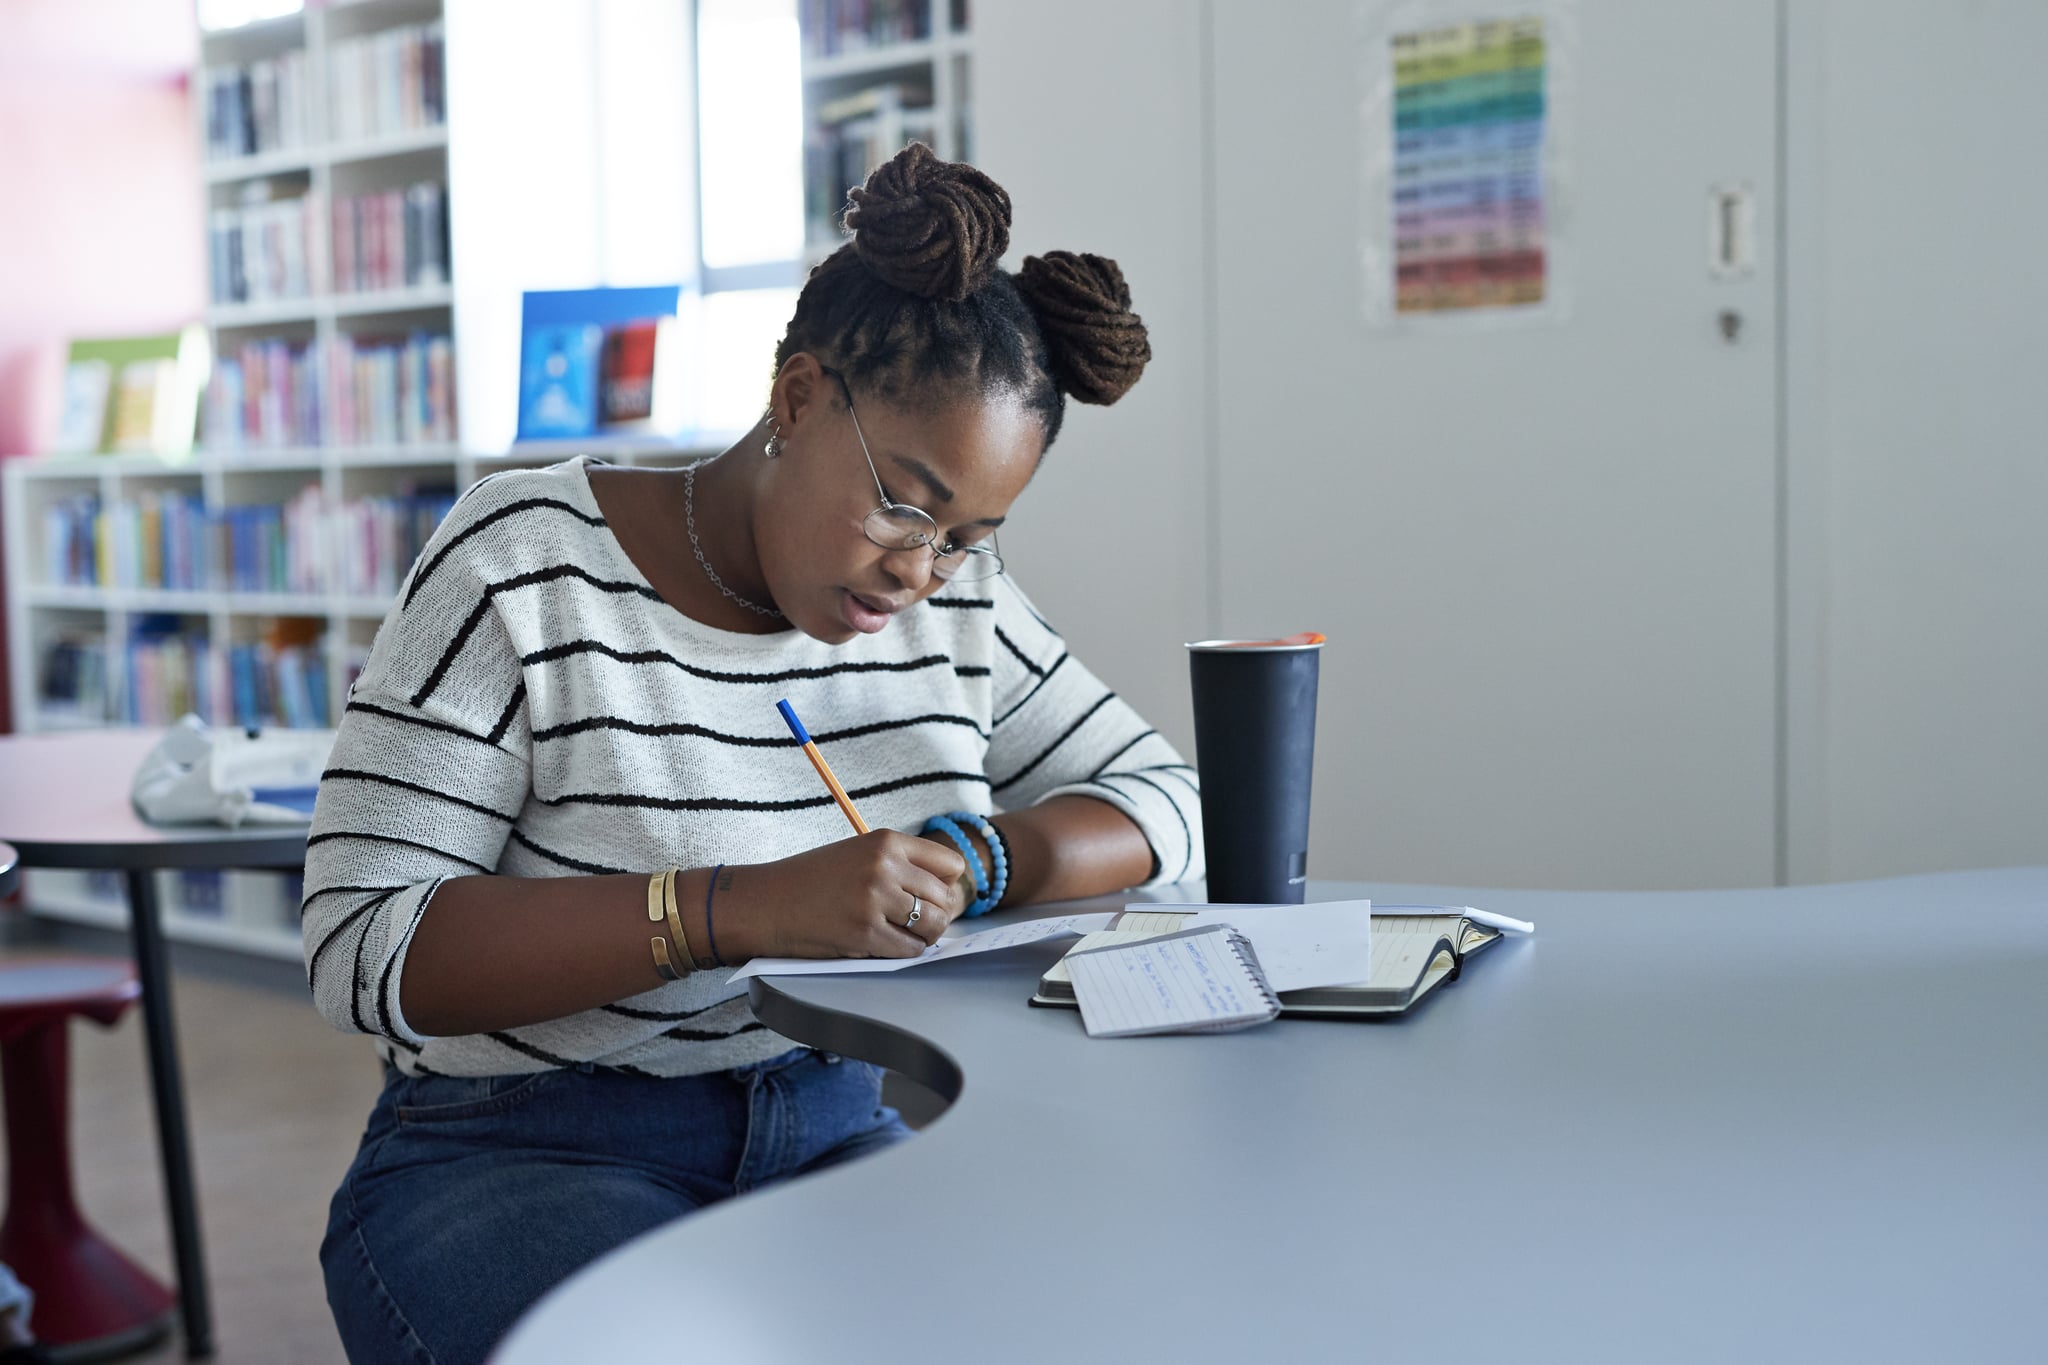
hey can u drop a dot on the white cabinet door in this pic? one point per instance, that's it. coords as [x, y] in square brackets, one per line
[1546, 556]
[1917, 359]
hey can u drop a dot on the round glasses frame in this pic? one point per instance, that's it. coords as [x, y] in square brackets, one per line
[899, 526]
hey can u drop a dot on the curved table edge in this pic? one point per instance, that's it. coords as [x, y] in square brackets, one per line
[857, 1036]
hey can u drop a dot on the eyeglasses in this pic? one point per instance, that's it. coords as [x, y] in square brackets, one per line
[897, 526]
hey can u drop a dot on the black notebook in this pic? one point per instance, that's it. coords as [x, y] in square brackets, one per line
[1411, 956]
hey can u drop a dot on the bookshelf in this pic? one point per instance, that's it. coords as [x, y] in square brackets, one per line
[877, 74]
[101, 621]
[281, 151]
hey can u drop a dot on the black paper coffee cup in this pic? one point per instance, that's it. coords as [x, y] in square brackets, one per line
[1255, 740]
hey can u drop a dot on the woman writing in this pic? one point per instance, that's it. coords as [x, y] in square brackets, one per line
[567, 725]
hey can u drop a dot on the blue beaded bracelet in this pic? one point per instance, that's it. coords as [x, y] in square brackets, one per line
[999, 882]
[943, 824]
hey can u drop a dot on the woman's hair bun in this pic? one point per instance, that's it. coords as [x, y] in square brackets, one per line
[1098, 345]
[929, 227]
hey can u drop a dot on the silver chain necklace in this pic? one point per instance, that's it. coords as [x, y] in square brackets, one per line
[690, 524]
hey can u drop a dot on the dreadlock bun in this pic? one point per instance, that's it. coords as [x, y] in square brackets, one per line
[1097, 345]
[929, 227]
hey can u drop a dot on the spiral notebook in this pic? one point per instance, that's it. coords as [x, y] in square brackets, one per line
[1203, 980]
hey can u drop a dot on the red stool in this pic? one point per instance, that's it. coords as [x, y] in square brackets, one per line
[87, 1293]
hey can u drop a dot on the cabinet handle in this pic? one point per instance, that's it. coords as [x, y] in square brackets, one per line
[1731, 231]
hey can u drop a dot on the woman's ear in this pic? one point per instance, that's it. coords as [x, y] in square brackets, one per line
[800, 386]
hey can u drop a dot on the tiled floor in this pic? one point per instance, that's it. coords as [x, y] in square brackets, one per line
[276, 1101]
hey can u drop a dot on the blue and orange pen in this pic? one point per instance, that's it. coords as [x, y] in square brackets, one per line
[803, 737]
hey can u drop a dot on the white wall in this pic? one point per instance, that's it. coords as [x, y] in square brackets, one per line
[1090, 114]
[1544, 557]
[1613, 602]
[1919, 510]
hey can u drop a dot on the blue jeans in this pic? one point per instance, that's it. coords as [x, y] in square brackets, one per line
[472, 1196]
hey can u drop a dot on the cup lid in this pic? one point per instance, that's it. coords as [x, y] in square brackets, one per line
[1307, 639]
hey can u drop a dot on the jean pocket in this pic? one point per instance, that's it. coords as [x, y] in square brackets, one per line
[449, 1099]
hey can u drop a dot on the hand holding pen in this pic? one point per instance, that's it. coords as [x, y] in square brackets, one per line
[882, 894]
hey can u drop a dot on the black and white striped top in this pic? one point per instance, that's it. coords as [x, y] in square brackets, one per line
[532, 707]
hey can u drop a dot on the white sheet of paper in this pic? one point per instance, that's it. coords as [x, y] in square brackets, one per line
[955, 942]
[1326, 943]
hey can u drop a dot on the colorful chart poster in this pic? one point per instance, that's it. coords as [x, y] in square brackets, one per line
[1470, 131]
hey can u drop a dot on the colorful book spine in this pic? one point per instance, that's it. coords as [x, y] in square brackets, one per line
[264, 395]
[391, 239]
[387, 82]
[71, 541]
[391, 391]
[169, 670]
[71, 681]
[362, 547]
[256, 107]
[830, 27]
[261, 252]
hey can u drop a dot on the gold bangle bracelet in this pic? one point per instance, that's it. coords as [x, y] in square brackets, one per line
[675, 919]
[654, 915]
[659, 947]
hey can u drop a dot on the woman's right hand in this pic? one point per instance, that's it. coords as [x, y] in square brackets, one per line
[847, 899]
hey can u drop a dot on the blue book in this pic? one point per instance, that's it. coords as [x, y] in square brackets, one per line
[558, 382]
[242, 669]
[561, 349]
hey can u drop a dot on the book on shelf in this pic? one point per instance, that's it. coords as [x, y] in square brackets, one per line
[171, 540]
[82, 420]
[255, 107]
[71, 678]
[361, 390]
[388, 82]
[851, 135]
[598, 361]
[265, 395]
[391, 239]
[830, 27]
[391, 390]
[169, 669]
[259, 250]
[1412, 955]
[133, 394]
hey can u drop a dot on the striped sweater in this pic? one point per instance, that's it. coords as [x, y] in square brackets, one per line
[532, 707]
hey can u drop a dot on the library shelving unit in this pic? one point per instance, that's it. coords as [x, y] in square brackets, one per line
[878, 74]
[331, 105]
[249, 911]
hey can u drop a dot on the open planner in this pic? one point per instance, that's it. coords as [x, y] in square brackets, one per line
[1412, 954]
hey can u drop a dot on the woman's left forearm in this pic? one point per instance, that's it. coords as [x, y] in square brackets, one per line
[1071, 847]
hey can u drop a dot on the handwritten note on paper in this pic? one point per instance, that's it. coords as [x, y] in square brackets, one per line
[964, 943]
[1200, 981]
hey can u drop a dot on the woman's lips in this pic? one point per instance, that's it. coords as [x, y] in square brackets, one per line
[864, 616]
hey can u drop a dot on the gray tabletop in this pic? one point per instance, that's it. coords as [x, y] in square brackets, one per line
[1795, 1124]
[64, 803]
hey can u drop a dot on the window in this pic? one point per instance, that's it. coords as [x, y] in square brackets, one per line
[749, 201]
